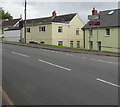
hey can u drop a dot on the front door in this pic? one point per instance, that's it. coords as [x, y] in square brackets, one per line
[78, 44]
[99, 46]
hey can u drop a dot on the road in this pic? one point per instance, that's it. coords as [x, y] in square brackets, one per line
[34, 76]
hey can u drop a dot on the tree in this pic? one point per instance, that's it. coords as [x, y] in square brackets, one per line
[5, 15]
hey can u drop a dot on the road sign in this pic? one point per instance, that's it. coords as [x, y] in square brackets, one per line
[93, 17]
[94, 23]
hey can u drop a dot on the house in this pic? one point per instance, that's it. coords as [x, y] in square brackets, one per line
[11, 30]
[62, 30]
[103, 37]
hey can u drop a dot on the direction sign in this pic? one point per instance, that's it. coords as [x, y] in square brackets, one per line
[94, 23]
[93, 17]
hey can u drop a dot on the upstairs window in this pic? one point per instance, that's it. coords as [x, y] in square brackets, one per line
[77, 31]
[28, 30]
[111, 12]
[42, 29]
[107, 32]
[60, 29]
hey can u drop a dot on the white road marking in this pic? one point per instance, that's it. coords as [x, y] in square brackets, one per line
[71, 55]
[92, 59]
[52, 51]
[14, 52]
[100, 60]
[107, 82]
[67, 54]
[107, 62]
[84, 57]
[20, 54]
[54, 65]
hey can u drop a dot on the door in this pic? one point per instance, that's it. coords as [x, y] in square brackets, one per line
[71, 44]
[78, 44]
[99, 46]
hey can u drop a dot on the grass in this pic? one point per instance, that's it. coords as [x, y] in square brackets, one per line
[56, 46]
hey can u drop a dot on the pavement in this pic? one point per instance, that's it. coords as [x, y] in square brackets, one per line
[65, 49]
[33, 76]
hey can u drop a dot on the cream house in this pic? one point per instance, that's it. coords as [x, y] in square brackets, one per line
[62, 30]
[104, 37]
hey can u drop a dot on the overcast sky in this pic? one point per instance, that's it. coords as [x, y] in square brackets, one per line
[37, 9]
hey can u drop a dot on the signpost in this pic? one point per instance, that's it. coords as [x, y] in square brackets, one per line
[93, 21]
[25, 23]
[93, 17]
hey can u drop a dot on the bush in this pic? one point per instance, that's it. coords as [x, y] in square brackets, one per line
[33, 42]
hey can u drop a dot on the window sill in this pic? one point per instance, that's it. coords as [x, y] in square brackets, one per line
[107, 35]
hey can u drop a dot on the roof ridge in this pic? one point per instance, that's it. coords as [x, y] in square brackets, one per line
[51, 16]
[109, 10]
[67, 14]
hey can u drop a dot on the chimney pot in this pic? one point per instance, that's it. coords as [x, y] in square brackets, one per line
[54, 13]
[94, 11]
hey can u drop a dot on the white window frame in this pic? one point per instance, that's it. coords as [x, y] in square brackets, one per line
[42, 29]
[71, 44]
[77, 31]
[60, 43]
[106, 32]
[60, 29]
[78, 42]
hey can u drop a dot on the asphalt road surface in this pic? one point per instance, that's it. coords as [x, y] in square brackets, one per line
[34, 76]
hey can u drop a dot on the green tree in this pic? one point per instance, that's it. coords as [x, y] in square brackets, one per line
[5, 15]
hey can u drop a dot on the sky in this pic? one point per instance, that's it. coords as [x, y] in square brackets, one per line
[37, 8]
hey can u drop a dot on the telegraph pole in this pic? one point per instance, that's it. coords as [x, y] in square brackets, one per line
[25, 23]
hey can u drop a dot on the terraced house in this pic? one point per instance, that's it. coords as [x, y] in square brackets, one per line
[62, 30]
[104, 37]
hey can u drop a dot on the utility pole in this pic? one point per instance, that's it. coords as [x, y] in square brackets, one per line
[25, 23]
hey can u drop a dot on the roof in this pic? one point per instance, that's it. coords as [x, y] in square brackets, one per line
[59, 19]
[108, 18]
[10, 22]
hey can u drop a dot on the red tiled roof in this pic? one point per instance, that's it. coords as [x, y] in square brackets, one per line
[10, 22]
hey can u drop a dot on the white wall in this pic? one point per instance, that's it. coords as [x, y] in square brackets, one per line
[12, 35]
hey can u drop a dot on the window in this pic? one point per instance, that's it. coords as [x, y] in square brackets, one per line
[77, 31]
[111, 12]
[42, 29]
[71, 43]
[28, 30]
[78, 44]
[42, 42]
[60, 43]
[60, 29]
[107, 32]
[91, 32]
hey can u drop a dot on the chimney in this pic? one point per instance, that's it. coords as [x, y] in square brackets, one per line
[94, 12]
[54, 13]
